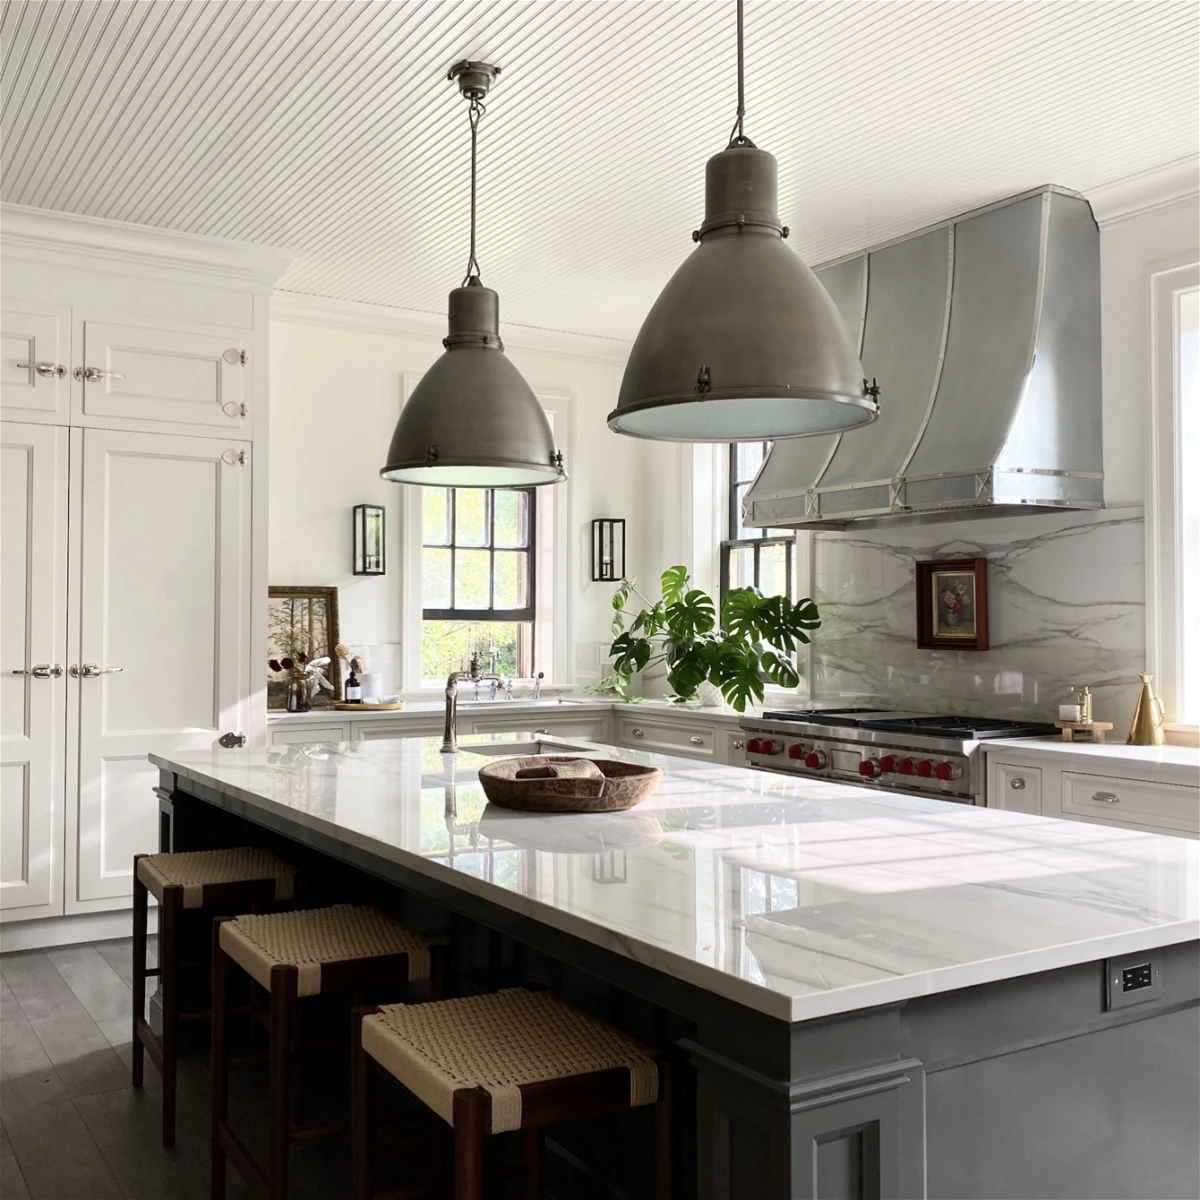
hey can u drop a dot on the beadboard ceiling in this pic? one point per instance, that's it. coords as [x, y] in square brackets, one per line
[329, 127]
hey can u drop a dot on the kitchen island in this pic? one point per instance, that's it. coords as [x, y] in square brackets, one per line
[876, 994]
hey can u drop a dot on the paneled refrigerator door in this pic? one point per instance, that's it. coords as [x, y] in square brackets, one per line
[35, 363]
[33, 600]
[159, 651]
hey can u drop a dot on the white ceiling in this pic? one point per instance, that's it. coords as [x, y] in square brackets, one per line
[330, 127]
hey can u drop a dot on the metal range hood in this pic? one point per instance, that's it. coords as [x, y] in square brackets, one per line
[984, 336]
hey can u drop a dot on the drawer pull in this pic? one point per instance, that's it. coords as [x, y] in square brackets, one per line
[696, 740]
[637, 733]
[1017, 784]
[1107, 797]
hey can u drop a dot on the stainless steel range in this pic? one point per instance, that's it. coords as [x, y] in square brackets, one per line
[918, 753]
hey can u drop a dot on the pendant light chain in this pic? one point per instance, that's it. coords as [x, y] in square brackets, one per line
[475, 114]
[737, 137]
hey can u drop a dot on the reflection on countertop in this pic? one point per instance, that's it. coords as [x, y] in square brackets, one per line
[796, 897]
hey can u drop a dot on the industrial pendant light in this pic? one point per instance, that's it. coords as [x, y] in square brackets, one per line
[743, 344]
[473, 421]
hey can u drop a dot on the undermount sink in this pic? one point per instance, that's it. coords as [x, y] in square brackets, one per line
[501, 701]
[515, 749]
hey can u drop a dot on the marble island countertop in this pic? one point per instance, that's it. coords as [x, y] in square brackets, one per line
[797, 898]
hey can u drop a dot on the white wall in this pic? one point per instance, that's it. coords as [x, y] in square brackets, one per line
[336, 385]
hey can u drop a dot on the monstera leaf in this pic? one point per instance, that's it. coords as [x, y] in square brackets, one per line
[779, 669]
[691, 615]
[629, 654]
[688, 668]
[741, 613]
[784, 624]
[674, 580]
[736, 670]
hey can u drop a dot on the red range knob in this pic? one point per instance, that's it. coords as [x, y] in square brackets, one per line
[795, 750]
[906, 766]
[868, 768]
[753, 746]
[925, 768]
[814, 759]
[887, 764]
[768, 746]
[945, 770]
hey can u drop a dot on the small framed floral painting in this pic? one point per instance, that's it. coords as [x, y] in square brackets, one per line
[952, 604]
[303, 669]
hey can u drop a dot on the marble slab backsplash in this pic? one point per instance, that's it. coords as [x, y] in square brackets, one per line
[1066, 605]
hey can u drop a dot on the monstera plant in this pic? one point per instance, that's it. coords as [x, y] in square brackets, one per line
[754, 641]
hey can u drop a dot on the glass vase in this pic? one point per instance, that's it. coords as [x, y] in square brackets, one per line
[297, 696]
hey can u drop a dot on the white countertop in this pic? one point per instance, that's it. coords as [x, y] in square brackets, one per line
[795, 897]
[1165, 764]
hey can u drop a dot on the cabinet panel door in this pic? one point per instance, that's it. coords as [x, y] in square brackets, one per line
[33, 336]
[33, 564]
[1016, 788]
[164, 568]
[162, 376]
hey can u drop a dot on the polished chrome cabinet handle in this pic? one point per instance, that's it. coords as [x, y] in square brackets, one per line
[95, 374]
[47, 370]
[637, 733]
[1107, 797]
[41, 671]
[697, 740]
[91, 670]
[1017, 784]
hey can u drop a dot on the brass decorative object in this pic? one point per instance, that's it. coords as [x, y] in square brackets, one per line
[1148, 718]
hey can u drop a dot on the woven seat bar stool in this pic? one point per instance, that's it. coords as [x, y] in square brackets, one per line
[509, 1060]
[223, 881]
[306, 952]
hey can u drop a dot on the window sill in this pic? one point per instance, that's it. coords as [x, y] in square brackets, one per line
[1181, 735]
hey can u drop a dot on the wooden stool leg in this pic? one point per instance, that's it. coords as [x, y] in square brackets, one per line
[283, 1007]
[219, 1061]
[297, 1068]
[472, 1120]
[168, 932]
[361, 1114]
[664, 1130]
[535, 1161]
[141, 903]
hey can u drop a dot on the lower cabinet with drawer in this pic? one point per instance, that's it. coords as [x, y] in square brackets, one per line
[1134, 803]
[1016, 788]
[689, 738]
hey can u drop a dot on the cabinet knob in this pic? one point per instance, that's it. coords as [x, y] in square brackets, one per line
[1106, 797]
[1017, 784]
[696, 740]
[47, 370]
[738, 744]
[637, 733]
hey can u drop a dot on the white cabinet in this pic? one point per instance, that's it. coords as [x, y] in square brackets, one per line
[35, 358]
[735, 747]
[143, 374]
[685, 736]
[162, 524]
[33, 599]
[590, 728]
[279, 734]
[1133, 803]
[1016, 788]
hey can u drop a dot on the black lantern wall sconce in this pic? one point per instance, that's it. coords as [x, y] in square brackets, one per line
[368, 540]
[608, 550]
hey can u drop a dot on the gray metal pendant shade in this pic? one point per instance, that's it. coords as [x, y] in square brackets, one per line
[743, 344]
[473, 421]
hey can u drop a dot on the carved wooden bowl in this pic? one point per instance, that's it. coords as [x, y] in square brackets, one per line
[623, 785]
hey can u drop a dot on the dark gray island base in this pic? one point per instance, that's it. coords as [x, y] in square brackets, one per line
[1045, 1084]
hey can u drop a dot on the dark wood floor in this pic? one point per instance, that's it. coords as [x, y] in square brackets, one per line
[72, 1127]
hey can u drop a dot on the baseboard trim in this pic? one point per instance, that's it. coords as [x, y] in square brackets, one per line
[67, 931]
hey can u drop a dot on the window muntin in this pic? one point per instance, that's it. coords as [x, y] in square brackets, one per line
[478, 579]
[761, 558]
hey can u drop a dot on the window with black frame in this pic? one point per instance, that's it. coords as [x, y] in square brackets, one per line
[760, 558]
[478, 563]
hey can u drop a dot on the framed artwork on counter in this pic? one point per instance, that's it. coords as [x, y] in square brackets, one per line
[952, 609]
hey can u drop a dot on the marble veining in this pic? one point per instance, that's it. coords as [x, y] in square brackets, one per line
[795, 897]
[1066, 602]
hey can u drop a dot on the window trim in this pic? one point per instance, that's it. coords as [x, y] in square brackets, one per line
[1164, 608]
[733, 522]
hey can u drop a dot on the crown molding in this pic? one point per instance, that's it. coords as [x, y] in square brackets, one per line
[1124, 199]
[405, 322]
[43, 231]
